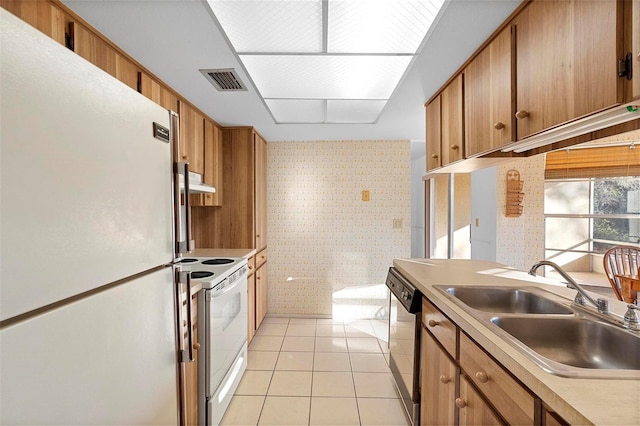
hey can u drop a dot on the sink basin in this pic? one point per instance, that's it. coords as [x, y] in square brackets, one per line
[507, 300]
[575, 341]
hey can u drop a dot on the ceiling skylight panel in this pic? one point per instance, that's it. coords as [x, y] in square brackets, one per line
[283, 26]
[379, 26]
[354, 111]
[297, 110]
[325, 77]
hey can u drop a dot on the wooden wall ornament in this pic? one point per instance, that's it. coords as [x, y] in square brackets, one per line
[514, 194]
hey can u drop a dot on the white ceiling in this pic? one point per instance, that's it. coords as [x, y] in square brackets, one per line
[174, 39]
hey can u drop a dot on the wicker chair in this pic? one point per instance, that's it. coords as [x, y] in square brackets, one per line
[621, 260]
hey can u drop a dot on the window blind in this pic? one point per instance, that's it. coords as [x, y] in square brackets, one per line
[614, 161]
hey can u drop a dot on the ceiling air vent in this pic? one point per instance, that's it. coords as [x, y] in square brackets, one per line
[225, 80]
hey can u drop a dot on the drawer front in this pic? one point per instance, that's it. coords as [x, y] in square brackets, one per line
[261, 258]
[439, 326]
[251, 264]
[510, 398]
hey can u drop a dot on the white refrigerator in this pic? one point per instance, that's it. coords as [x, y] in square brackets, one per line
[88, 290]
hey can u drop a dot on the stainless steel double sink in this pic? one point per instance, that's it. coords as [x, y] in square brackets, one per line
[560, 337]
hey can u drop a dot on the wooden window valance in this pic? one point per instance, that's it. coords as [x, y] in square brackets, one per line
[614, 161]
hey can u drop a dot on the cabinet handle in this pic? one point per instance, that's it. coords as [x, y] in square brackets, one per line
[434, 156]
[444, 379]
[185, 157]
[196, 346]
[522, 114]
[433, 323]
[482, 377]
[460, 403]
[455, 147]
[499, 125]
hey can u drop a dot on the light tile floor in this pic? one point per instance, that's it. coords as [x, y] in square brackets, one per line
[304, 371]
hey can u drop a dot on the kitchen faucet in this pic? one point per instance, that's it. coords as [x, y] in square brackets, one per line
[601, 304]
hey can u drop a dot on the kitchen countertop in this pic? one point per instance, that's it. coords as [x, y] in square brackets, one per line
[577, 400]
[223, 252]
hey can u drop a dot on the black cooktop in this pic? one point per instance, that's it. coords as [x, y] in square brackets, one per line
[201, 274]
[219, 261]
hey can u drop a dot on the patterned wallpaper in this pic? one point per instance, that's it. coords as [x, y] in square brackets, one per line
[322, 237]
[520, 240]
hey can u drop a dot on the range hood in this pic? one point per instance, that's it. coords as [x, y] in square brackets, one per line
[601, 120]
[195, 184]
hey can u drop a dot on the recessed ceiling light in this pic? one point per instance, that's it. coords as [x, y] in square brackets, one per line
[349, 54]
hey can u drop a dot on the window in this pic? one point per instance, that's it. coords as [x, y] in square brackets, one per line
[587, 216]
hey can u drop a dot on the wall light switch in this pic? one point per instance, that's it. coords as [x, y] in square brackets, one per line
[365, 195]
[477, 222]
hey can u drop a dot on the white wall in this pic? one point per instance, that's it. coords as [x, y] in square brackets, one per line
[520, 240]
[322, 237]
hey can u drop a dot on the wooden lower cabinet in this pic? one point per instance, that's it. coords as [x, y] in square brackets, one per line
[462, 384]
[251, 303]
[474, 410]
[438, 391]
[261, 294]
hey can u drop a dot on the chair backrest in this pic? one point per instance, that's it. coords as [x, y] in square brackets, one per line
[621, 260]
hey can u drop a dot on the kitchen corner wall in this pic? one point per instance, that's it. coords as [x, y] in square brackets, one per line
[323, 238]
[520, 240]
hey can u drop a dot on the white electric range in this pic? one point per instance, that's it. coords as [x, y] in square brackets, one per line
[222, 331]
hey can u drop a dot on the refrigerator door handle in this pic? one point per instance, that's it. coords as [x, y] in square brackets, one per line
[186, 354]
[182, 219]
[187, 205]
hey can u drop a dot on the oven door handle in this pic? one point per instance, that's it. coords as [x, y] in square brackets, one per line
[184, 278]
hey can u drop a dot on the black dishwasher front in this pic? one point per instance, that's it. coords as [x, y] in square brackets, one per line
[405, 307]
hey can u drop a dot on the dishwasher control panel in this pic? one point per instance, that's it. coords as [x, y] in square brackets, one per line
[404, 291]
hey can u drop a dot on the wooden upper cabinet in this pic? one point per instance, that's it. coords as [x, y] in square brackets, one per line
[452, 123]
[157, 92]
[261, 191]
[487, 97]
[434, 135]
[40, 14]
[191, 137]
[633, 33]
[566, 59]
[92, 48]
[212, 166]
[101, 54]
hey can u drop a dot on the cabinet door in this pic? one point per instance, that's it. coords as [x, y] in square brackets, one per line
[40, 14]
[566, 61]
[261, 294]
[634, 20]
[251, 307]
[261, 191]
[434, 135]
[452, 121]
[157, 93]
[191, 136]
[488, 79]
[438, 390]
[92, 48]
[212, 166]
[473, 408]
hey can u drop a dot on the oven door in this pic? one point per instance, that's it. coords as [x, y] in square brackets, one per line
[225, 327]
